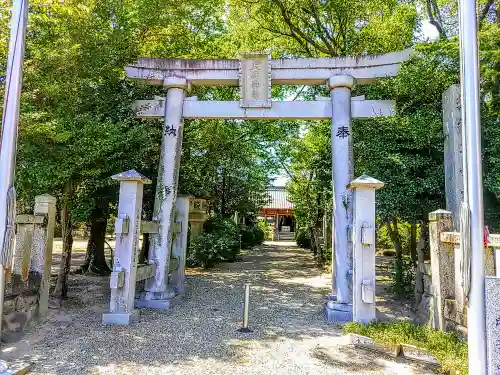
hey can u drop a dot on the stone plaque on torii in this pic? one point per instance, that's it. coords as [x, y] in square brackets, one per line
[254, 74]
[255, 80]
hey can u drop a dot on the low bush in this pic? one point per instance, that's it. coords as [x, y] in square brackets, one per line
[303, 239]
[446, 347]
[251, 236]
[219, 242]
[209, 249]
[387, 253]
[267, 229]
[219, 225]
[403, 278]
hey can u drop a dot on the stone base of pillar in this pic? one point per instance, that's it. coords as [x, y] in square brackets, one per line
[120, 318]
[179, 289]
[337, 313]
[159, 304]
[14, 368]
[159, 300]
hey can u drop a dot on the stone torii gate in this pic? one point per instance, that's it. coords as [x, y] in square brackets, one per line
[254, 73]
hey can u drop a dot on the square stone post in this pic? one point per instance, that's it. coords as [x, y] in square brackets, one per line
[180, 243]
[127, 230]
[363, 237]
[442, 264]
[166, 192]
[43, 240]
[24, 242]
[453, 163]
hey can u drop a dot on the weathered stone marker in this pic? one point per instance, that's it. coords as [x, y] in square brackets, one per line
[442, 264]
[27, 287]
[180, 243]
[453, 163]
[127, 230]
[43, 239]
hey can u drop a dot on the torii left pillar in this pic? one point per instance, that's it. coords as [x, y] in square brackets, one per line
[156, 293]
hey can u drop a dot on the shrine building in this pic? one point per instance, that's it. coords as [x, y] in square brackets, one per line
[279, 212]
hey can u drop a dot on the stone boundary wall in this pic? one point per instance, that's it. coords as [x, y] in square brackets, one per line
[443, 302]
[28, 277]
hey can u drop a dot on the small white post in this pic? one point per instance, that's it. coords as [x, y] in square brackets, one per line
[43, 240]
[363, 237]
[180, 244]
[127, 230]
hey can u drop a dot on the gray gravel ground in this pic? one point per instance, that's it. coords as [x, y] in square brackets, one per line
[200, 335]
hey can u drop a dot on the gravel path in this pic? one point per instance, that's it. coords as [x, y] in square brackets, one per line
[200, 335]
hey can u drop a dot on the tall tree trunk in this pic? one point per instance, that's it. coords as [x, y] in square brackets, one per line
[61, 289]
[395, 237]
[419, 276]
[314, 244]
[413, 242]
[320, 258]
[396, 240]
[95, 260]
[223, 197]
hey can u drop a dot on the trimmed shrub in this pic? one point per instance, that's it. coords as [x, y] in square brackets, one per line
[267, 229]
[303, 239]
[209, 249]
[219, 225]
[251, 236]
[387, 253]
[219, 242]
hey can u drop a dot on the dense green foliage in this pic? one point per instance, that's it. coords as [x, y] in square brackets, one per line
[218, 242]
[451, 352]
[302, 238]
[251, 235]
[208, 249]
[221, 241]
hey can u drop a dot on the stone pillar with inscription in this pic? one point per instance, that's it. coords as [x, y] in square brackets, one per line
[157, 294]
[342, 174]
[43, 239]
[453, 163]
[127, 231]
[180, 243]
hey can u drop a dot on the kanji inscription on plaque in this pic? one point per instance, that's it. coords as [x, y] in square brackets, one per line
[255, 80]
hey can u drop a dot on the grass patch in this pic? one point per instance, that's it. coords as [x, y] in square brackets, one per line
[451, 352]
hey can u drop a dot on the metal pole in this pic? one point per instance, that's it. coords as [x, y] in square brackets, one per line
[8, 145]
[473, 181]
[246, 307]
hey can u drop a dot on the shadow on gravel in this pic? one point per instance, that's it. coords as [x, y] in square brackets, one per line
[287, 297]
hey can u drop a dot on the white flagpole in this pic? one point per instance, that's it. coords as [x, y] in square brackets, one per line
[10, 122]
[473, 180]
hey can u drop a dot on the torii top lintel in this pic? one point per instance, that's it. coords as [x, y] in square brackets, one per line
[303, 71]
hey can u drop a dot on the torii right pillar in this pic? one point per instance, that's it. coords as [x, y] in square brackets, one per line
[339, 308]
